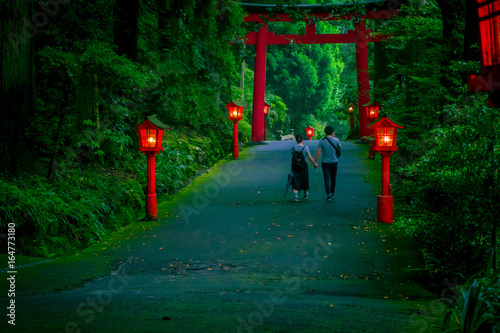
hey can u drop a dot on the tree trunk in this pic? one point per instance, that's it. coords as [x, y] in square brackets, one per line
[380, 64]
[125, 32]
[162, 26]
[17, 99]
[471, 33]
[452, 12]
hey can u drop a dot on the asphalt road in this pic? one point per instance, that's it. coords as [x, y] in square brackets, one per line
[231, 253]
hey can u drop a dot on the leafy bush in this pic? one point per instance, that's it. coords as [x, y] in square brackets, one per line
[454, 185]
[81, 206]
[476, 307]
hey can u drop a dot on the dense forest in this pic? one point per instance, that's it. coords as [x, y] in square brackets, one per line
[78, 76]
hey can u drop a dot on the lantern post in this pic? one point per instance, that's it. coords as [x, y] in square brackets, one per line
[309, 132]
[372, 113]
[266, 113]
[385, 143]
[235, 109]
[350, 111]
[150, 138]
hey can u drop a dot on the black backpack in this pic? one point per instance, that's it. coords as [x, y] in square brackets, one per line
[298, 160]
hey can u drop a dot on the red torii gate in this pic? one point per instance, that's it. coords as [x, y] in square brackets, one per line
[360, 36]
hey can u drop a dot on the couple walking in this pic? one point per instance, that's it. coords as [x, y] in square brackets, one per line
[329, 149]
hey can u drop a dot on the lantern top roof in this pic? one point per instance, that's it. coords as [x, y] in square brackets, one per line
[236, 102]
[153, 121]
[373, 104]
[309, 127]
[157, 122]
[385, 122]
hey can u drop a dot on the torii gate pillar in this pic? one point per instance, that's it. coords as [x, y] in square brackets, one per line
[363, 78]
[259, 85]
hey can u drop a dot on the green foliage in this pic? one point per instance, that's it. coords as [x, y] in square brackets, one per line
[447, 160]
[81, 208]
[476, 307]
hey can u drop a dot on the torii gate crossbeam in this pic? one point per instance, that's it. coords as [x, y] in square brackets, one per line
[360, 37]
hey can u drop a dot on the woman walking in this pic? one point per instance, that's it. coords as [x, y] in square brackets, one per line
[299, 167]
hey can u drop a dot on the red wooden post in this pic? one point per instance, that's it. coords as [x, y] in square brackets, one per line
[363, 77]
[352, 121]
[386, 171]
[151, 196]
[259, 86]
[236, 145]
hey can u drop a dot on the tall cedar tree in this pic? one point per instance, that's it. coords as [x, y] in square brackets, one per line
[18, 89]
[125, 28]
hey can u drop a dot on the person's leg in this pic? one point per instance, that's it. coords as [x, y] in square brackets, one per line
[326, 176]
[333, 177]
[296, 185]
[305, 182]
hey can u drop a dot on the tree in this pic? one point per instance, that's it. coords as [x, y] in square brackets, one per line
[125, 27]
[18, 85]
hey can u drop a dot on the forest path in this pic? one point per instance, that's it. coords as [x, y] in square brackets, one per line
[231, 253]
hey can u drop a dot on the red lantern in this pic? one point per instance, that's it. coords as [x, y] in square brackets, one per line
[385, 134]
[150, 139]
[151, 135]
[309, 132]
[372, 110]
[266, 109]
[235, 109]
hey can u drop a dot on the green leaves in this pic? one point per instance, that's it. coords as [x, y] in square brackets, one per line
[476, 307]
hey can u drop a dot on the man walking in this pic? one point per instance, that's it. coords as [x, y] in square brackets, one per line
[329, 149]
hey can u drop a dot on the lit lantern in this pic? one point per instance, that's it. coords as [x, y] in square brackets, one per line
[372, 110]
[235, 109]
[385, 143]
[309, 132]
[385, 134]
[150, 138]
[266, 109]
[151, 135]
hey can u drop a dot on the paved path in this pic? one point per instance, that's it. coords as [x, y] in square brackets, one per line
[235, 255]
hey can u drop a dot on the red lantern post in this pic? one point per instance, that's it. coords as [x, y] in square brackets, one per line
[266, 113]
[350, 111]
[385, 143]
[372, 110]
[150, 138]
[309, 132]
[372, 113]
[235, 109]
